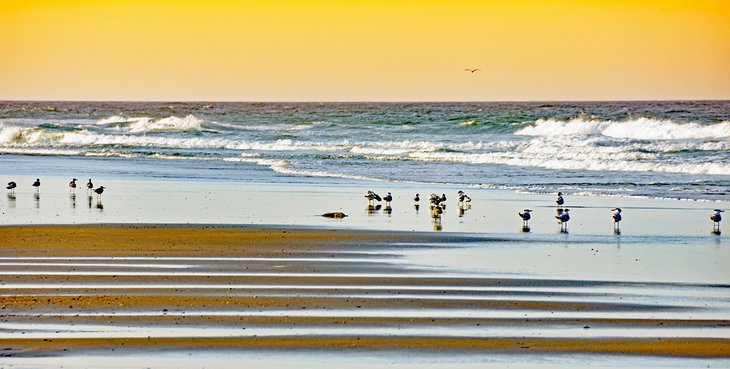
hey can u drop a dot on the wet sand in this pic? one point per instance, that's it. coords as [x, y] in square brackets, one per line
[70, 290]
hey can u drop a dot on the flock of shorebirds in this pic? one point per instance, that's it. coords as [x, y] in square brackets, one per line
[71, 187]
[437, 204]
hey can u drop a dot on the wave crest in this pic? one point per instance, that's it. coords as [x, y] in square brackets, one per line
[635, 129]
[147, 124]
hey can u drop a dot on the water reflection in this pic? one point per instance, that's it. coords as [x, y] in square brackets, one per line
[371, 209]
[11, 199]
[37, 199]
[72, 197]
[89, 199]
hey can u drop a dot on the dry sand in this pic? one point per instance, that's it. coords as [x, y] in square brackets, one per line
[215, 287]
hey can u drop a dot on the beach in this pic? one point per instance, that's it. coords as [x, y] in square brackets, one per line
[140, 290]
[208, 247]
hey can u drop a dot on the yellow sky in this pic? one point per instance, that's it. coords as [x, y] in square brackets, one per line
[375, 50]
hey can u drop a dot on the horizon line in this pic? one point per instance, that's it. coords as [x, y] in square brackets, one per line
[360, 101]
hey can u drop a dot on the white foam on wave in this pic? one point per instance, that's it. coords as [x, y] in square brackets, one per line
[147, 124]
[635, 129]
[629, 162]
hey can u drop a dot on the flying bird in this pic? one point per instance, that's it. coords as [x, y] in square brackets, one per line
[472, 70]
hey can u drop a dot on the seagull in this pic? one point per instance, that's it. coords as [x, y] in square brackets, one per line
[472, 70]
[463, 197]
[434, 199]
[525, 215]
[388, 198]
[89, 185]
[72, 185]
[717, 217]
[563, 219]
[616, 218]
[372, 196]
[99, 191]
[560, 200]
[37, 184]
[11, 186]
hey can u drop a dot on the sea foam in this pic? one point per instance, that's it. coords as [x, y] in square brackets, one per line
[147, 124]
[635, 129]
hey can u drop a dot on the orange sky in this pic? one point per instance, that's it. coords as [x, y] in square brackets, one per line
[393, 50]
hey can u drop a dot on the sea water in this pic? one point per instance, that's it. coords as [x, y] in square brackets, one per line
[665, 149]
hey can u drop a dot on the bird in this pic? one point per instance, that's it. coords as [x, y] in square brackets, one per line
[89, 185]
[417, 198]
[716, 218]
[525, 215]
[616, 216]
[442, 200]
[560, 200]
[463, 197]
[472, 70]
[37, 184]
[388, 198]
[99, 191]
[72, 184]
[563, 220]
[372, 197]
[11, 186]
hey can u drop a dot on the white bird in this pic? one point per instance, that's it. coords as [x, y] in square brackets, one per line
[616, 216]
[388, 198]
[716, 218]
[525, 215]
[563, 218]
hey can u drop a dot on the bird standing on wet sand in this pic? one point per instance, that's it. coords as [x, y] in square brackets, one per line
[417, 198]
[525, 215]
[37, 184]
[11, 186]
[463, 197]
[388, 198]
[99, 191]
[560, 200]
[616, 216]
[372, 196]
[72, 185]
[717, 217]
[563, 219]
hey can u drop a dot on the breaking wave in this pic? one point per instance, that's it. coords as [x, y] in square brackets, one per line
[147, 124]
[635, 129]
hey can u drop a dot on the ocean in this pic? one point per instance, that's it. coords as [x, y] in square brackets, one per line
[658, 149]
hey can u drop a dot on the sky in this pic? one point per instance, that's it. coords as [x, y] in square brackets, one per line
[390, 50]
